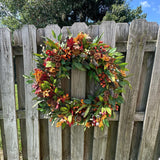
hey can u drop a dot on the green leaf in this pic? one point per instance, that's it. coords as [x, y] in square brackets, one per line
[53, 33]
[120, 99]
[51, 43]
[29, 81]
[62, 61]
[100, 98]
[45, 85]
[70, 118]
[99, 38]
[36, 103]
[38, 55]
[79, 66]
[92, 65]
[112, 50]
[120, 57]
[60, 37]
[56, 90]
[81, 108]
[113, 78]
[87, 111]
[123, 64]
[26, 76]
[87, 101]
[63, 125]
[109, 111]
[50, 64]
[95, 40]
[69, 32]
[63, 109]
[106, 122]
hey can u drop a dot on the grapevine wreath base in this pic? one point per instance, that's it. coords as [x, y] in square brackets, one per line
[103, 65]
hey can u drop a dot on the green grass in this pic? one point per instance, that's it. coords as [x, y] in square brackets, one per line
[18, 121]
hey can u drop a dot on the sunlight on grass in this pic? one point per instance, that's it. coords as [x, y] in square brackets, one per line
[18, 121]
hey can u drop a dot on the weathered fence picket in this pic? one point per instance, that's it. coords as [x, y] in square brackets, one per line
[152, 116]
[55, 134]
[78, 90]
[135, 52]
[108, 29]
[32, 123]
[7, 95]
[133, 134]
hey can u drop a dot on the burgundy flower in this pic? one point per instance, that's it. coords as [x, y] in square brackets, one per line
[70, 43]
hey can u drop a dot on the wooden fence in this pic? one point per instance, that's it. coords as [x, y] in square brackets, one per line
[135, 132]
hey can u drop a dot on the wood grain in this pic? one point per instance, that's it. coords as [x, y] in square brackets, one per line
[135, 54]
[152, 116]
[2, 131]
[88, 134]
[108, 29]
[55, 134]
[66, 132]
[78, 89]
[32, 122]
[7, 95]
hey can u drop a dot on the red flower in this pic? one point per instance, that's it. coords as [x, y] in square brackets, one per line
[70, 43]
[44, 77]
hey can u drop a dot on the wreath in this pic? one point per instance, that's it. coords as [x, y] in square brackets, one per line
[103, 65]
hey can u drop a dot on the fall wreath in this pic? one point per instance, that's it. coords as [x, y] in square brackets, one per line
[103, 65]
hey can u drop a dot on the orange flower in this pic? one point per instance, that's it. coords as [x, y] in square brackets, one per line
[103, 117]
[123, 73]
[80, 37]
[88, 124]
[101, 124]
[82, 101]
[106, 58]
[59, 123]
[38, 74]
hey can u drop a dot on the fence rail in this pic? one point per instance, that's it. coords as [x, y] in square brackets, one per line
[132, 135]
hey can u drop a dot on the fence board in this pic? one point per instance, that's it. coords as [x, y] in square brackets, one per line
[152, 116]
[66, 132]
[108, 29]
[78, 88]
[88, 134]
[135, 53]
[122, 31]
[55, 134]
[7, 90]
[43, 123]
[17, 35]
[32, 123]
[2, 131]
[72, 143]
[157, 146]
